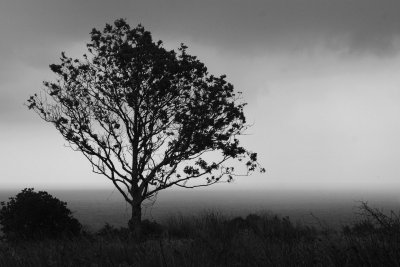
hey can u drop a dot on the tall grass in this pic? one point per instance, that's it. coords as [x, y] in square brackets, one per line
[212, 239]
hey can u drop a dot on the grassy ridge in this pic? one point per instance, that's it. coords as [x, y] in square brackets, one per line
[214, 240]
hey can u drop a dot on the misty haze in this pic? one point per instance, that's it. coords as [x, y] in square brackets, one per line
[95, 208]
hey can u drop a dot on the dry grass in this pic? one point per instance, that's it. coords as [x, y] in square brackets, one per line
[213, 240]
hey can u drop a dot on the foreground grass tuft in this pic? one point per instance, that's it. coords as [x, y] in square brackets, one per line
[214, 240]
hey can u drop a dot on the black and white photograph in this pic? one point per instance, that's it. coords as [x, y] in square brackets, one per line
[174, 133]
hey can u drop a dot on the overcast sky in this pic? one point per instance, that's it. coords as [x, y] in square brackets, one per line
[321, 78]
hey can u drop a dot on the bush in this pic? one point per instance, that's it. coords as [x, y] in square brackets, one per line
[36, 215]
[151, 229]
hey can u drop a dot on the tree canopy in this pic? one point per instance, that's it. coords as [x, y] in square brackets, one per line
[145, 117]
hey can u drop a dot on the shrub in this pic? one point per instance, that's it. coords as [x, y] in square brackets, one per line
[151, 229]
[36, 215]
[180, 227]
[111, 232]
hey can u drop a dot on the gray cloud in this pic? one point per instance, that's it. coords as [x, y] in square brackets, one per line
[34, 32]
[356, 26]
[359, 25]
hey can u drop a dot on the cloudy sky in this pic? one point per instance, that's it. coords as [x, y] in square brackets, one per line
[321, 78]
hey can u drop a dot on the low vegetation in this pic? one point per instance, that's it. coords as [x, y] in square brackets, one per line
[36, 215]
[212, 239]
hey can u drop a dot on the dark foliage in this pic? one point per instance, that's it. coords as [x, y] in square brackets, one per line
[109, 231]
[149, 229]
[36, 215]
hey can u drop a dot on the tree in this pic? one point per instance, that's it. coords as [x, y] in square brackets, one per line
[33, 214]
[145, 117]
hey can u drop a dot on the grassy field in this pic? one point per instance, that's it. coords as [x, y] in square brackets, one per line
[211, 239]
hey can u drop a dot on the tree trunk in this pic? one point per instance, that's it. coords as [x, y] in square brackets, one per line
[134, 223]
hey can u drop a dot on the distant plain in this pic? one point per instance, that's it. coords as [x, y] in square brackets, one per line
[94, 208]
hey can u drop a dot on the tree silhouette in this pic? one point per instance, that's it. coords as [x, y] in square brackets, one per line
[145, 117]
